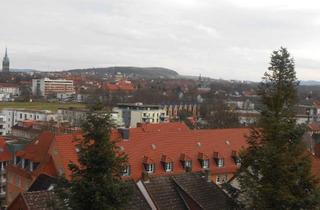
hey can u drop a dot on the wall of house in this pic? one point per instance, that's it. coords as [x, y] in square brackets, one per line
[15, 185]
[18, 204]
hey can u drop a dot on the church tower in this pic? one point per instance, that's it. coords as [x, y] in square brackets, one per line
[5, 63]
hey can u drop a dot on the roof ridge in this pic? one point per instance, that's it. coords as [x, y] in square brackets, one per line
[185, 191]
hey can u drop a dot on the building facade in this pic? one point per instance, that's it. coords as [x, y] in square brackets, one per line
[13, 116]
[129, 115]
[45, 87]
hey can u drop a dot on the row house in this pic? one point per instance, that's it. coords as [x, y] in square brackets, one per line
[172, 110]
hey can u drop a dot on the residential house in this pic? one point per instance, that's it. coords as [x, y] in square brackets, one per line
[13, 116]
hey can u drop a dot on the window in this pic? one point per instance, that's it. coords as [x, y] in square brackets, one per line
[168, 167]
[25, 116]
[20, 115]
[126, 171]
[149, 168]
[205, 163]
[35, 165]
[221, 179]
[220, 162]
[187, 164]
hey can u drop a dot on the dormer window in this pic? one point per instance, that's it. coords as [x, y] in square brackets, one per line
[186, 162]
[168, 167]
[167, 163]
[149, 168]
[126, 171]
[204, 160]
[218, 159]
[236, 158]
[148, 164]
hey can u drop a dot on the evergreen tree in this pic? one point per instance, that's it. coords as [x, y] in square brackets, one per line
[96, 182]
[276, 168]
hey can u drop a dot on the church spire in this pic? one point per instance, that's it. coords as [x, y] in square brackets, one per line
[6, 62]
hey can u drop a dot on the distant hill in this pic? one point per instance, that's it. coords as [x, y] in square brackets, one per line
[23, 70]
[137, 72]
[310, 83]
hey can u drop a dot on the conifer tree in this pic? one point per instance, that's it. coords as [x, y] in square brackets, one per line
[276, 168]
[96, 182]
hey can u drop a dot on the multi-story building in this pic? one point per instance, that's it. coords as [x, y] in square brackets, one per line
[46, 87]
[2, 124]
[13, 116]
[8, 91]
[72, 115]
[128, 115]
[12, 89]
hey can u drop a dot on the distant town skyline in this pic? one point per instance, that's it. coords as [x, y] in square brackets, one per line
[226, 39]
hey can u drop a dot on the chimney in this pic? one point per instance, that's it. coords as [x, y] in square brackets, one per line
[145, 177]
[207, 174]
[125, 133]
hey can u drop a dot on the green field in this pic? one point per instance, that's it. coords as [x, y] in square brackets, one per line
[39, 105]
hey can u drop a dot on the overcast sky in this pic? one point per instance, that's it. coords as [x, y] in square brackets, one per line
[230, 39]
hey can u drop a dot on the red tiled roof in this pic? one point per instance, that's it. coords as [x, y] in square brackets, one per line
[175, 142]
[5, 154]
[150, 143]
[202, 156]
[121, 85]
[166, 159]
[162, 127]
[314, 126]
[66, 146]
[38, 149]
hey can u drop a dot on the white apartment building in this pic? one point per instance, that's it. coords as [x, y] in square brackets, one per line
[13, 116]
[128, 115]
[46, 86]
[2, 125]
[8, 91]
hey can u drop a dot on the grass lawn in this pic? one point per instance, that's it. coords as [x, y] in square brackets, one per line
[39, 105]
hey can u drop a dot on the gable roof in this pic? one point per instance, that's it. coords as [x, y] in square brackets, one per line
[137, 201]
[42, 182]
[42, 200]
[66, 146]
[170, 139]
[174, 142]
[185, 191]
[38, 149]
[5, 154]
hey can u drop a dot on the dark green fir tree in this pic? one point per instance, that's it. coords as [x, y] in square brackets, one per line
[96, 182]
[276, 168]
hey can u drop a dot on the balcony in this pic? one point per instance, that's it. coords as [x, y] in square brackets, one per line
[3, 171]
[2, 194]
